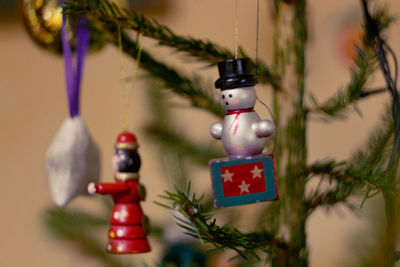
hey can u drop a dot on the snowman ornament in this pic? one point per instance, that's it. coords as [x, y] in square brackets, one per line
[248, 175]
[242, 132]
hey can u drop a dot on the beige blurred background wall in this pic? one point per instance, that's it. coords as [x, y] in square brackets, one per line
[33, 105]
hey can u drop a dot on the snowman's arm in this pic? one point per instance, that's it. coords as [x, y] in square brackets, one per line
[263, 128]
[216, 130]
[107, 188]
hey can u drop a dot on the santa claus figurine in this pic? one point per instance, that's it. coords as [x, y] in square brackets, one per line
[129, 226]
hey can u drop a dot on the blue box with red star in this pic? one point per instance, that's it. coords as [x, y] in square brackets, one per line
[238, 181]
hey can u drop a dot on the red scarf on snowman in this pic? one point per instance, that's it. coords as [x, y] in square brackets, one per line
[235, 122]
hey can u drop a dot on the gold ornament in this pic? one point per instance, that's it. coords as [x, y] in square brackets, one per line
[43, 20]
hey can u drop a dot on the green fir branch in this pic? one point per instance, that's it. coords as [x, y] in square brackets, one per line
[175, 146]
[390, 192]
[366, 171]
[397, 256]
[204, 50]
[344, 172]
[172, 140]
[375, 156]
[383, 18]
[74, 218]
[336, 107]
[378, 146]
[348, 179]
[365, 65]
[169, 77]
[76, 227]
[198, 223]
[330, 198]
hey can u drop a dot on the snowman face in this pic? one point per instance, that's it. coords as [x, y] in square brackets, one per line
[238, 98]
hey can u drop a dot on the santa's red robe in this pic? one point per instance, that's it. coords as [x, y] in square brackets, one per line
[128, 230]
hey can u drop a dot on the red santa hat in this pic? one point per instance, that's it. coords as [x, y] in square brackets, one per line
[126, 140]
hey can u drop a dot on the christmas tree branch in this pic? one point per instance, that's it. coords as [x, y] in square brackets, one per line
[163, 130]
[346, 173]
[75, 226]
[109, 13]
[177, 142]
[75, 217]
[390, 73]
[376, 151]
[366, 171]
[348, 179]
[329, 199]
[169, 77]
[199, 223]
[365, 65]
[391, 190]
[336, 106]
[397, 256]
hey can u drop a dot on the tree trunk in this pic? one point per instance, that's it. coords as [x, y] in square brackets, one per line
[290, 139]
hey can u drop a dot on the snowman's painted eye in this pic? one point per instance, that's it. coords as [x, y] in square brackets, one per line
[230, 95]
[223, 96]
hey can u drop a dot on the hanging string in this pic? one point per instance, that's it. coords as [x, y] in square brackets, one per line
[257, 33]
[269, 110]
[257, 38]
[134, 78]
[127, 92]
[122, 74]
[272, 147]
[236, 30]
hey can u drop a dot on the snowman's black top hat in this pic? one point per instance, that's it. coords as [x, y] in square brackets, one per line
[235, 73]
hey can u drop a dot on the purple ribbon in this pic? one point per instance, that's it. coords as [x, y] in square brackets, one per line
[73, 72]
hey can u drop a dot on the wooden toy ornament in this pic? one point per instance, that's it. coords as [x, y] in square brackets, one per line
[247, 176]
[129, 226]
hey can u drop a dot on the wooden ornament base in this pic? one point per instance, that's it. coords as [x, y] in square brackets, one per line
[238, 181]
